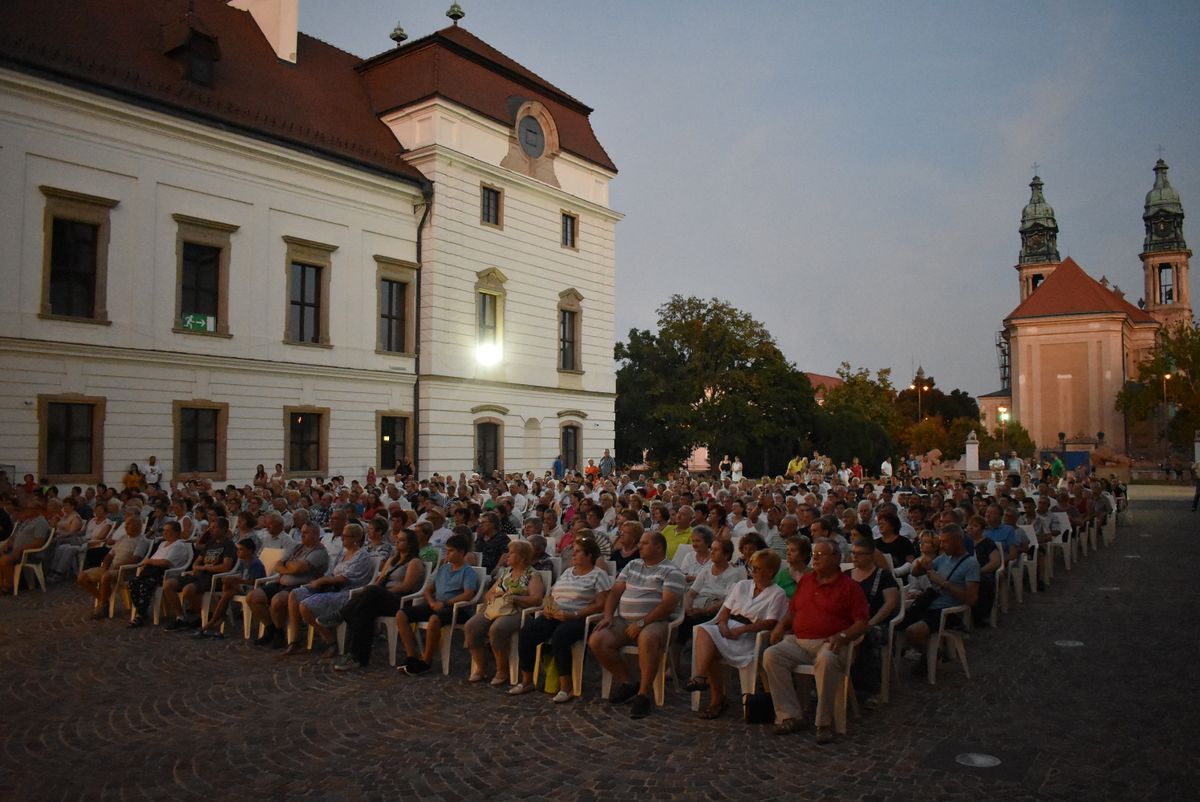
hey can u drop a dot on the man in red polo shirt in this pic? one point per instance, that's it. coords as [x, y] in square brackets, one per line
[827, 613]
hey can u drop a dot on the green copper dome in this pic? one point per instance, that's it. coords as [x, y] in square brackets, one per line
[1037, 211]
[1163, 196]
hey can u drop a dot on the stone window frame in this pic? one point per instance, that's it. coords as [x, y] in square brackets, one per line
[99, 405]
[574, 246]
[405, 272]
[491, 281]
[314, 254]
[407, 415]
[499, 224]
[198, 231]
[78, 207]
[323, 440]
[578, 427]
[222, 410]
[499, 440]
[569, 300]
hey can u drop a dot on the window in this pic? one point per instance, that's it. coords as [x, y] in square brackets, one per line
[1166, 284]
[71, 438]
[570, 313]
[491, 206]
[487, 447]
[570, 230]
[393, 440]
[567, 347]
[200, 438]
[308, 267]
[75, 262]
[202, 303]
[392, 313]
[570, 447]
[1036, 280]
[307, 438]
[488, 322]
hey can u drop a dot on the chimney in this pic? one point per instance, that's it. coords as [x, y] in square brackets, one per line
[279, 21]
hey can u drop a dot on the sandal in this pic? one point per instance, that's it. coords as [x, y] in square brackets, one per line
[696, 684]
[715, 711]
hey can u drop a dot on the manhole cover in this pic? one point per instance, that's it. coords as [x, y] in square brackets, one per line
[1110, 588]
[1133, 556]
[1147, 534]
[977, 760]
[1069, 644]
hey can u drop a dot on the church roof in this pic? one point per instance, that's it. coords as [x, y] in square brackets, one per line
[115, 47]
[1070, 291]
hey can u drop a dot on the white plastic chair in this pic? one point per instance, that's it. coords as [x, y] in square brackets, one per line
[156, 600]
[247, 613]
[514, 672]
[556, 567]
[748, 675]
[660, 677]
[388, 622]
[25, 565]
[889, 654]
[955, 639]
[1000, 594]
[1060, 543]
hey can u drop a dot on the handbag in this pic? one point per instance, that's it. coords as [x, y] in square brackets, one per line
[499, 606]
[758, 708]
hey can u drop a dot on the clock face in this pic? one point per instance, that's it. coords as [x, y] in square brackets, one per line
[529, 133]
[1162, 227]
[1037, 242]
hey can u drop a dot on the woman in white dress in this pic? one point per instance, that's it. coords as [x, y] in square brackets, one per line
[735, 470]
[752, 606]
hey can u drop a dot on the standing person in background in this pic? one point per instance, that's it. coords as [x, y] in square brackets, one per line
[557, 468]
[723, 467]
[153, 472]
[885, 468]
[607, 464]
[735, 469]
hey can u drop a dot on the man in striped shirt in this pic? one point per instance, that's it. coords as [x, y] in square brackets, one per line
[643, 599]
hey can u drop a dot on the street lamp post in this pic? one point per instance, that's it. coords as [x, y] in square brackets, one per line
[920, 388]
[1166, 419]
[1003, 420]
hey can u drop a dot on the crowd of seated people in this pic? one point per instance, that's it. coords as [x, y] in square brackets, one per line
[653, 563]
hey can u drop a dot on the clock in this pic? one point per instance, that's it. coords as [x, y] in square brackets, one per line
[1162, 227]
[1037, 242]
[531, 137]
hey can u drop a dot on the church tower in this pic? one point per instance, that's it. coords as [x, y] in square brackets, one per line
[1039, 241]
[1165, 254]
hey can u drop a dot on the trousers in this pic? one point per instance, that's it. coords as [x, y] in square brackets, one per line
[778, 663]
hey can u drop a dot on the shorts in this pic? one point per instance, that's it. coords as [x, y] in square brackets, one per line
[933, 620]
[271, 588]
[422, 612]
[203, 582]
[619, 626]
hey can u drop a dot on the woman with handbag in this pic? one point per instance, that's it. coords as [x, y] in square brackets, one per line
[883, 598]
[753, 605]
[518, 586]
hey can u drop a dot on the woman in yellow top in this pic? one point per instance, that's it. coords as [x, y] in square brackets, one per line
[134, 479]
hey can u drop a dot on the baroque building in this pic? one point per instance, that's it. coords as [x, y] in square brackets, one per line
[1072, 342]
[231, 243]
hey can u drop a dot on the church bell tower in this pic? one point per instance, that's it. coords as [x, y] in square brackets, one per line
[1039, 241]
[1165, 253]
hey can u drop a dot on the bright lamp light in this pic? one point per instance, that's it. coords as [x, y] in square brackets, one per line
[488, 354]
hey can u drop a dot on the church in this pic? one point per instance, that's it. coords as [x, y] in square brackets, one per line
[230, 243]
[1072, 342]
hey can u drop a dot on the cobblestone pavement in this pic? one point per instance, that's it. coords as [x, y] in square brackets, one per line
[97, 711]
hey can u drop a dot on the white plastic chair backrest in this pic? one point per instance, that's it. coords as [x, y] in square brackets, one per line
[611, 567]
[890, 562]
[473, 559]
[1062, 522]
[269, 558]
[484, 580]
[556, 567]
[547, 582]
[552, 546]
[681, 553]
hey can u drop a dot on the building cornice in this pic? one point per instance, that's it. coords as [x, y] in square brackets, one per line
[559, 391]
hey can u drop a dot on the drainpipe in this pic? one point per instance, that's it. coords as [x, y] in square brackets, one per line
[427, 194]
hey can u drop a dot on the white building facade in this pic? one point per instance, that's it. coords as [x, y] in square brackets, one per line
[203, 269]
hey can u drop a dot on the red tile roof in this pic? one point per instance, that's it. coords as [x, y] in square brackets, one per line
[1070, 291]
[821, 382]
[455, 64]
[319, 104]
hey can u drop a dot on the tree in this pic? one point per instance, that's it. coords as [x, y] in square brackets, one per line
[713, 376]
[923, 437]
[1010, 437]
[1177, 353]
[956, 404]
[956, 437]
[865, 398]
[845, 434]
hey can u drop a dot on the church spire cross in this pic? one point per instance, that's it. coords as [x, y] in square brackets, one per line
[1035, 167]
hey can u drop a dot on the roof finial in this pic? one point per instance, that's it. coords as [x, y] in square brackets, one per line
[1160, 150]
[456, 13]
[398, 35]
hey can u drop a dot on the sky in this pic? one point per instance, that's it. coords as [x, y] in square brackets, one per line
[852, 174]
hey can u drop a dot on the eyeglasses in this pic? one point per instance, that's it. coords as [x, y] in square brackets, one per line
[822, 553]
[860, 553]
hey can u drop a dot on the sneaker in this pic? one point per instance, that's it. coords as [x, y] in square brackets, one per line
[641, 707]
[562, 697]
[200, 634]
[175, 625]
[417, 666]
[137, 622]
[520, 689]
[346, 663]
[622, 693]
[789, 725]
[824, 735]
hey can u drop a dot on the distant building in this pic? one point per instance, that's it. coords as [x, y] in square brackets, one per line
[822, 384]
[1072, 342]
[231, 243]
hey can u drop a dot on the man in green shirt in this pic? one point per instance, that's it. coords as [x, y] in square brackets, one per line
[679, 533]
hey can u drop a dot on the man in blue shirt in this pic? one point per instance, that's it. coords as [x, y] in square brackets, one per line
[955, 575]
[1003, 535]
